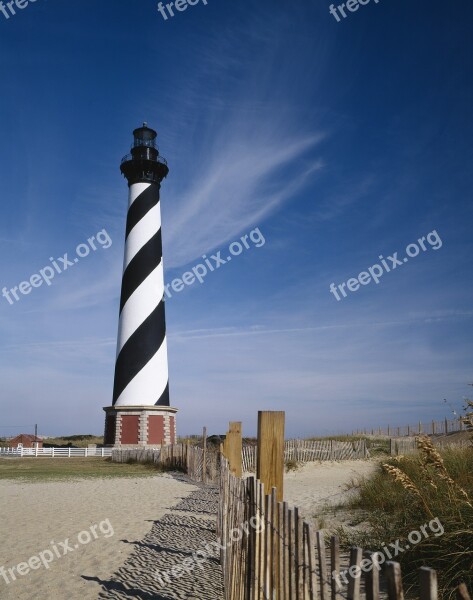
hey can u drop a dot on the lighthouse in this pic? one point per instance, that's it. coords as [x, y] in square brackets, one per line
[141, 414]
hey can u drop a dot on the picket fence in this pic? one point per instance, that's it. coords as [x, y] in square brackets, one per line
[269, 552]
[398, 446]
[180, 457]
[56, 452]
[272, 555]
[309, 451]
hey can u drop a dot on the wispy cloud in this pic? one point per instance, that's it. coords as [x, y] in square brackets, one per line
[235, 192]
[238, 152]
[364, 324]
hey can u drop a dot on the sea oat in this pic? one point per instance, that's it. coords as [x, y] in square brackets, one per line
[402, 478]
[432, 457]
[406, 483]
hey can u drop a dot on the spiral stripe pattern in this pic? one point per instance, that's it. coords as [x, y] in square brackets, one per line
[141, 368]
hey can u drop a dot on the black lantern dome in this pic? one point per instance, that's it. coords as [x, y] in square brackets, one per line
[144, 164]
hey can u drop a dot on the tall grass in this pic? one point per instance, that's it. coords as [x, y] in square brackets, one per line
[408, 492]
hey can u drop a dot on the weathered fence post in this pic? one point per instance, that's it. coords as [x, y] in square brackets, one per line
[428, 584]
[204, 455]
[372, 576]
[334, 564]
[462, 592]
[353, 592]
[234, 448]
[270, 457]
[394, 581]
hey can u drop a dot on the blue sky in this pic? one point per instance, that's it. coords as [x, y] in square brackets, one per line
[340, 141]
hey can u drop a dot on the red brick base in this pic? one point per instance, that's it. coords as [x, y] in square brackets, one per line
[140, 426]
[156, 429]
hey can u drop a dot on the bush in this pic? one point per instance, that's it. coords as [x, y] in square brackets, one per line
[291, 465]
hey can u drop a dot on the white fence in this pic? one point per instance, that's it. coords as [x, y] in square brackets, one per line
[56, 452]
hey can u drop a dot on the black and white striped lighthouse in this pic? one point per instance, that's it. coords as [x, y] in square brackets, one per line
[141, 414]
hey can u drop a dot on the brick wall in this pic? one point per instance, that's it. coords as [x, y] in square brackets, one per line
[130, 429]
[155, 429]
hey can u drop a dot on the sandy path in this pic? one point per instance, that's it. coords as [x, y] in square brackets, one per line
[315, 486]
[141, 525]
[34, 514]
[176, 560]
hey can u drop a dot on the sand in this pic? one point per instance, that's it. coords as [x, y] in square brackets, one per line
[34, 514]
[155, 522]
[177, 559]
[316, 487]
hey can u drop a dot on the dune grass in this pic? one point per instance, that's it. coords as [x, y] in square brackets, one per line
[408, 492]
[43, 469]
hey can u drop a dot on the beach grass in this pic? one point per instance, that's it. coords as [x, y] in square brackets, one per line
[409, 491]
[42, 469]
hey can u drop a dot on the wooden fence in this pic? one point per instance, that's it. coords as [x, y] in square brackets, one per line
[309, 451]
[182, 457]
[442, 427]
[398, 446]
[190, 458]
[267, 548]
[269, 552]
